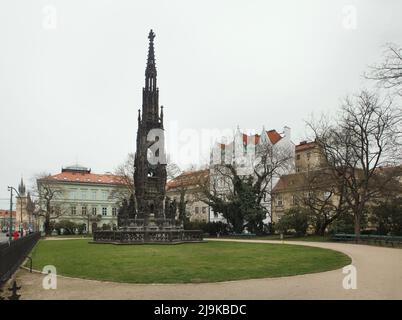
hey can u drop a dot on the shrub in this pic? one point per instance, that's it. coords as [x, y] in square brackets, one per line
[346, 224]
[294, 220]
[212, 228]
[81, 228]
[387, 217]
[106, 227]
[67, 226]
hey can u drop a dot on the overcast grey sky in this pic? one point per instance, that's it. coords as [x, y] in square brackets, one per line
[72, 71]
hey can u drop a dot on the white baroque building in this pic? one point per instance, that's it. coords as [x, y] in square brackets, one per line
[241, 152]
[86, 198]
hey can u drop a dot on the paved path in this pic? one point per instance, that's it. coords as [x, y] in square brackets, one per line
[379, 276]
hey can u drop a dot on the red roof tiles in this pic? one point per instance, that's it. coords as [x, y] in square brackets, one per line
[81, 177]
[5, 213]
[304, 145]
[274, 136]
[186, 179]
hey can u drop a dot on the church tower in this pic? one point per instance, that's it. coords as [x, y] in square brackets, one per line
[150, 159]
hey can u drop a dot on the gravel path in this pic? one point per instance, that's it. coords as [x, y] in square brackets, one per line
[379, 276]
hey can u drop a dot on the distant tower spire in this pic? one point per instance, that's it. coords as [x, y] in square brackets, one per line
[21, 187]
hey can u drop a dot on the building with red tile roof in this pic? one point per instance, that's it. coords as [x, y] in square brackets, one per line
[84, 197]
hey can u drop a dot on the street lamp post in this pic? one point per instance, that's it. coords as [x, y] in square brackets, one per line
[10, 232]
[11, 189]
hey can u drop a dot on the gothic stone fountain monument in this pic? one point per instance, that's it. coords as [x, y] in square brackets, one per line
[150, 217]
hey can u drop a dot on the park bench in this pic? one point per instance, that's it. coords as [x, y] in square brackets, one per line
[242, 235]
[370, 238]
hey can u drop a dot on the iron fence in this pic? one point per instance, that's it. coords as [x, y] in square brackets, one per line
[13, 253]
[148, 236]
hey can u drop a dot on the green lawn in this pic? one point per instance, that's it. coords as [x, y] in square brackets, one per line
[196, 262]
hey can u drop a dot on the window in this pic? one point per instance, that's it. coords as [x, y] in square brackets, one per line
[94, 211]
[73, 211]
[298, 157]
[204, 209]
[104, 194]
[197, 209]
[84, 210]
[114, 211]
[308, 155]
[84, 194]
[295, 200]
[279, 201]
[104, 211]
[94, 195]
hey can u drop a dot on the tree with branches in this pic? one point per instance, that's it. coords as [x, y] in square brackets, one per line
[46, 205]
[323, 197]
[361, 148]
[388, 73]
[237, 188]
[126, 171]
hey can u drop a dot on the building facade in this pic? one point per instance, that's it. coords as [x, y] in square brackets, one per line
[83, 197]
[5, 220]
[310, 183]
[189, 187]
[308, 156]
[241, 152]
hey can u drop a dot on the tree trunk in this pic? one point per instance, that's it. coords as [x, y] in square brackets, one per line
[357, 226]
[48, 229]
[320, 231]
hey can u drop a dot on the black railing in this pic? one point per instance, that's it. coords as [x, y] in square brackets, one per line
[148, 236]
[13, 253]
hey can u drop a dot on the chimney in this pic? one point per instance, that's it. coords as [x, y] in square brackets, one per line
[287, 132]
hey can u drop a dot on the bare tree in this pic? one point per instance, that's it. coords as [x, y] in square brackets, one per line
[126, 172]
[363, 139]
[173, 170]
[47, 193]
[389, 72]
[323, 197]
[272, 161]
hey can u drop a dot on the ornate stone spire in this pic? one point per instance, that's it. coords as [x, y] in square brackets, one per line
[161, 116]
[150, 178]
[150, 94]
[150, 71]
